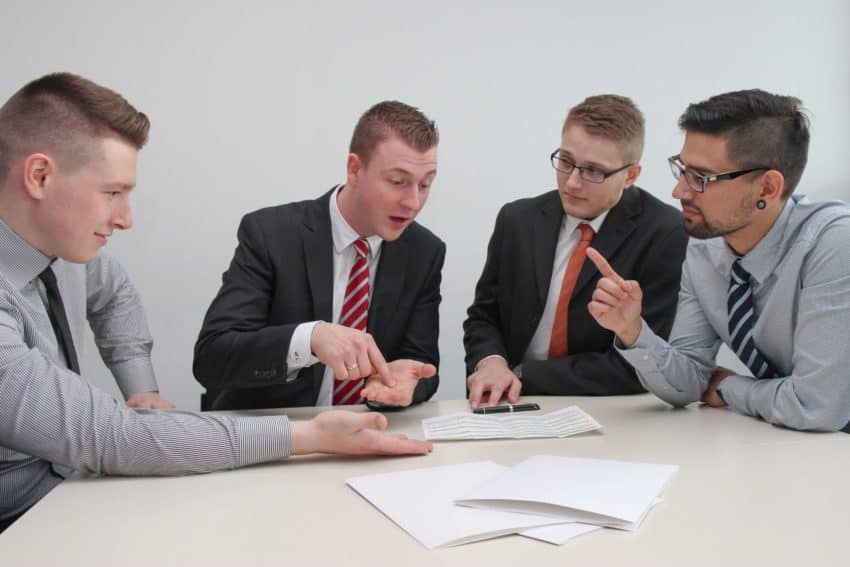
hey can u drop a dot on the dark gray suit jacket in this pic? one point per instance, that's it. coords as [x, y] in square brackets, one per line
[281, 275]
[642, 238]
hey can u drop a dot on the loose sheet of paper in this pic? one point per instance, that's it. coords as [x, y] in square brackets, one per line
[611, 493]
[420, 501]
[561, 423]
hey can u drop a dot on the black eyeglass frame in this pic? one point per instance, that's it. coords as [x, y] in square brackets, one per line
[678, 169]
[556, 159]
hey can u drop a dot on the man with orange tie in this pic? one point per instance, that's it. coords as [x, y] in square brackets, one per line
[321, 293]
[528, 330]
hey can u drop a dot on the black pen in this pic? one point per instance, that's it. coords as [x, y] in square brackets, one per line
[509, 408]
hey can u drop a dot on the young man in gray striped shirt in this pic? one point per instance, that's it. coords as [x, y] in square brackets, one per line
[68, 150]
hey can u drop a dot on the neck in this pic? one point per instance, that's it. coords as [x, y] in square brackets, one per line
[743, 240]
[345, 199]
[19, 218]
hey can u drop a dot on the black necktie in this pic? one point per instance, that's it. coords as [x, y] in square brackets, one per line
[56, 310]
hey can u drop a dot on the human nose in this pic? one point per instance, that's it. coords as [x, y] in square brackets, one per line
[681, 187]
[123, 216]
[573, 178]
[413, 199]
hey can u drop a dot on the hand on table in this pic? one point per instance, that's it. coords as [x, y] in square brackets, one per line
[710, 396]
[406, 375]
[493, 378]
[350, 353]
[616, 303]
[350, 433]
[149, 400]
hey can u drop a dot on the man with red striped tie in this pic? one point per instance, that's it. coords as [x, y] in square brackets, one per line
[321, 293]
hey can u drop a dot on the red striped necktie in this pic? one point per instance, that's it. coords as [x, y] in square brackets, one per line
[355, 310]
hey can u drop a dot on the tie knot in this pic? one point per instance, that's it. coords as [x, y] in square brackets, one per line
[739, 274]
[586, 232]
[361, 245]
[48, 278]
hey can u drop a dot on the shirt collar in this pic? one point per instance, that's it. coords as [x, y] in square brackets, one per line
[762, 259]
[20, 263]
[343, 234]
[571, 222]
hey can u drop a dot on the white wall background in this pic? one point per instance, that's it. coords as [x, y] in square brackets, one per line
[253, 104]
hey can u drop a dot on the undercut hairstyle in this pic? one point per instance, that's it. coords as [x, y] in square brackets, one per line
[392, 118]
[761, 130]
[61, 115]
[613, 117]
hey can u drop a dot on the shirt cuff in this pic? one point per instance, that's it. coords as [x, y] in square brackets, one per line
[134, 376]
[262, 439]
[644, 356]
[300, 354]
[735, 390]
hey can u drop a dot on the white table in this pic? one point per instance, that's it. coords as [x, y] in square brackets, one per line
[747, 493]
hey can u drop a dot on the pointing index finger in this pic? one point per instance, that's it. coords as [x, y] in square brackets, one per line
[603, 266]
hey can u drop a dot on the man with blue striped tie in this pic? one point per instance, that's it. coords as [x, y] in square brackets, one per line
[767, 273]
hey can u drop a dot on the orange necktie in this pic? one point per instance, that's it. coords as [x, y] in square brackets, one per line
[558, 342]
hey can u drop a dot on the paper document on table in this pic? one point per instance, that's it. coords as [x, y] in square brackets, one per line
[617, 494]
[559, 423]
[559, 534]
[420, 501]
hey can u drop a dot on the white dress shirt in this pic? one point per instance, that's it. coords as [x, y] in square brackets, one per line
[344, 255]
[568, 241]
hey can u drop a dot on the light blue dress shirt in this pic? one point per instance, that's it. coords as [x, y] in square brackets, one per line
[801, 291]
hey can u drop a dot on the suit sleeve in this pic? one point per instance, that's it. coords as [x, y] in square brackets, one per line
[482, 335]
[607, 373]
[236, 347]
[423, 328]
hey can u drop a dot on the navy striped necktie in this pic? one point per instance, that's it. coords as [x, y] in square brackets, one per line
[742, 319]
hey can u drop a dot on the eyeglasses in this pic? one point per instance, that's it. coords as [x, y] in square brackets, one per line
[696, 181]
[587, 173]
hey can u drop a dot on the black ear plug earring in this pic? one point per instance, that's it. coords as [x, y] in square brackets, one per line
[760, 204]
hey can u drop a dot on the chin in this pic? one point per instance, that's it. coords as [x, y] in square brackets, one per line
[79, 256]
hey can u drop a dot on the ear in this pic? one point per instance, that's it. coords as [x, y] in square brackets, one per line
[353, 167]
[632, 174]
[38, 170]
[773, 184]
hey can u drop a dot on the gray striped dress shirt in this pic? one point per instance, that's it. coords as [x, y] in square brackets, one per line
[53, 422]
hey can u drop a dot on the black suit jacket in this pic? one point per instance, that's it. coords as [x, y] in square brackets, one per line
[641, 237]
[281, 275]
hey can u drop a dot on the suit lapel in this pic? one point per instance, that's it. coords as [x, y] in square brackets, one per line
[545, 234]
[389, 278]
[318, 257]
[614, 232]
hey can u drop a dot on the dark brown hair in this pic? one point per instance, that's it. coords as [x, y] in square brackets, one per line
[62, 113]
[761, 130]
[392, 118]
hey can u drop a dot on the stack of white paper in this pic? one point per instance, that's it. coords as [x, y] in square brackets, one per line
[560, 423]
[421, 502]
[547, 498]
[617, 494]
